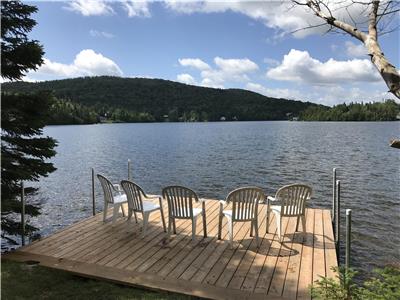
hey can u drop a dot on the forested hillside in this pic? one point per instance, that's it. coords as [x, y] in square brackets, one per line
[377, 111]
[85, 100]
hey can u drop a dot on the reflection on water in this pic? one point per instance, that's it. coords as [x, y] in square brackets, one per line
[214, 158]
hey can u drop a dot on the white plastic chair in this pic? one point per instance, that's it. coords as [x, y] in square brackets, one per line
[136, 203]
[290, 202]
[244, 209]
[112, 195]
[180, 206]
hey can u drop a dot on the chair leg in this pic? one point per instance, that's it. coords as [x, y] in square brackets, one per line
[105, 211]
[256, 232]
[194, 223]
[220, 225]
[230, 228]
[303, 223]
[115, 213]
[251, 228]
[279, 225]
[123, 211]
[174, 225]
[145, 222]
[203, 214]
[169, 226]
[297, 223]
[134, 213]
[129, 215]
[267, 221]
[162, 219]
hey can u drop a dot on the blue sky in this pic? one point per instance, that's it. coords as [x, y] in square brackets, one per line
[225, 44]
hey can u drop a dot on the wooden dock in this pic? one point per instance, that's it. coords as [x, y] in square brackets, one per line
[205, 267]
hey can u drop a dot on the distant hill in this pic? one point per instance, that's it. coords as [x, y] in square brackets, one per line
[84, 100]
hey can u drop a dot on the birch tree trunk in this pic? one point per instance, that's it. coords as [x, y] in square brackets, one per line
[389, 73]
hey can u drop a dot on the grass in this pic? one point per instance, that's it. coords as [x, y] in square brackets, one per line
[20, 281]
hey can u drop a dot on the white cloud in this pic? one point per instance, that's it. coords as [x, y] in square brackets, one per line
[186, 78]
[333, 95]
[327, 95]
[228, 70]
[86, 63]
[196, 63]
[90, 7]
[97, 33]
[137, 8]
[354, 50]
[280, 15]
[224, 70]
[299, 66]
[274, 14]
[235, 66]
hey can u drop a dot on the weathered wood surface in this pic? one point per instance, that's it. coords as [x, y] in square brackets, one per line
[206, 267]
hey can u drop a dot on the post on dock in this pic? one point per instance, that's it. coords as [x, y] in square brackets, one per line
[333, 197]
[348, 238]
[93, 195]
[337, 219]
[129, 170]
[22, 214]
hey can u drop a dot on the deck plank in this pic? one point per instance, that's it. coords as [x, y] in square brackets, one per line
[319, 251]
[248, 258]
[252, 276]
[266, 275]
[306, 266]
[183, 240]
[278, 279]
[329, 243]
[205, 267]
[293, 270]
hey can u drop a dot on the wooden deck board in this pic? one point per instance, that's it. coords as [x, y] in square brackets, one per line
[205, 267]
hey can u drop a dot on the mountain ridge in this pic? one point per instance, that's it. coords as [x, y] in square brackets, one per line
[124, 99]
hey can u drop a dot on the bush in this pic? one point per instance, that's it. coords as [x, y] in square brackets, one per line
[385, 285]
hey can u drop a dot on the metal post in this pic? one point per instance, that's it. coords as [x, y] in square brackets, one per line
[348, 238]
[334, 196]
[337, 221]
[129, 169]
[93, 195]
[22, 214]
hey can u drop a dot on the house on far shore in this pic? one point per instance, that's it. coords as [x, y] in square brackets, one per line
[102, 119]
[222, 118]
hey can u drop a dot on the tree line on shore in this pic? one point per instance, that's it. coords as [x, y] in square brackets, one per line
[388, 110]
[69, 112]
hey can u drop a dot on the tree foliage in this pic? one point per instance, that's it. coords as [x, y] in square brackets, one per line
[18, 53]
[378, 111]
[384, 285]
[23, 148]
[140, 99]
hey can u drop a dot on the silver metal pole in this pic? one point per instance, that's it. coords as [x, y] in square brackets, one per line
[93, 195]
[337, 221]
[129, 169]
[334, 196]
[348, 238]
[22, 214]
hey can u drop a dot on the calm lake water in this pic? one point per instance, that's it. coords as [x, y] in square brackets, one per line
[214, 158]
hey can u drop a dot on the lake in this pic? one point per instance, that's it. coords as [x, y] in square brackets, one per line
[215, 158]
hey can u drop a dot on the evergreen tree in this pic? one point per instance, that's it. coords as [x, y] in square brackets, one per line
[23, 116]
